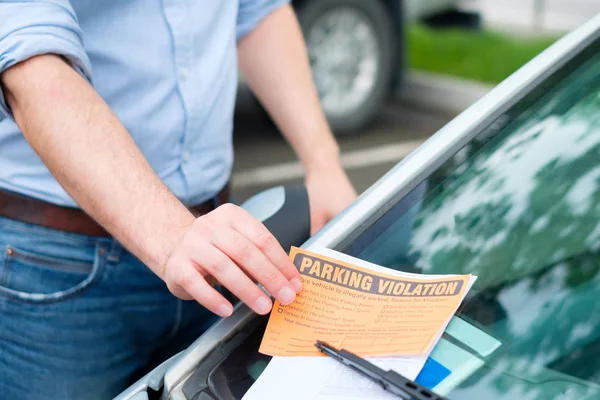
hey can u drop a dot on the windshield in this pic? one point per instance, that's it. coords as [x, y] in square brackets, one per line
[519, 207]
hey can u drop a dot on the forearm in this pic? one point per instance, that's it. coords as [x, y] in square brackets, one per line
[94, 158]
[274, 62]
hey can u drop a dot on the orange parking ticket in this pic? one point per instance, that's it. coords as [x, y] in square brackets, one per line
[363, 310]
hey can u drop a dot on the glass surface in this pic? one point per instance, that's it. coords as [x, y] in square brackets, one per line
[519, 208]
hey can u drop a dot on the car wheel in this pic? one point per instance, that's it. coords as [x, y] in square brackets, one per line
[351, 49]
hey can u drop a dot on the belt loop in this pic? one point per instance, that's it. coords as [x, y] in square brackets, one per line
[114, 254]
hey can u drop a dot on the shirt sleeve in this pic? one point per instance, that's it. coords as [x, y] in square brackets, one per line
[36, 27]
[251, 12]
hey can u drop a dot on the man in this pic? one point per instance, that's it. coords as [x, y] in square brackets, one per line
[123, 109]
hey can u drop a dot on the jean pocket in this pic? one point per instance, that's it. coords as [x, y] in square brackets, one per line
[30, 277]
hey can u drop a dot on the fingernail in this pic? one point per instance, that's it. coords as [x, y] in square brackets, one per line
[286, 295]
[263, 305]
[297, 284]
[225, 310]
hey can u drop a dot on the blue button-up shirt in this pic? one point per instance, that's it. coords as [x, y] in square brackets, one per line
[167, 68]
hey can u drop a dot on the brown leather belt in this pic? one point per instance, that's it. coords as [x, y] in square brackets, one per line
[37, 212]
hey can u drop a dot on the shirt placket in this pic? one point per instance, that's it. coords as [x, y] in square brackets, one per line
[177, 14]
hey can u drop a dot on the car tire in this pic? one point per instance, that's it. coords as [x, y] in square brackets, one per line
[376, 17]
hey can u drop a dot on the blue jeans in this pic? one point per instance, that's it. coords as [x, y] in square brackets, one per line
[81, 317]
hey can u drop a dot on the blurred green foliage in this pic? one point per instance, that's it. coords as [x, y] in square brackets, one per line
[483, 55]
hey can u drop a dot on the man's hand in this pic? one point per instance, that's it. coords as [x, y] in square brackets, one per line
[95, 159]
[329, 192]
[232, 247]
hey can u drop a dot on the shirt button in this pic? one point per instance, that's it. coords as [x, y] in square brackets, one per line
[185, 73]
[186, 156]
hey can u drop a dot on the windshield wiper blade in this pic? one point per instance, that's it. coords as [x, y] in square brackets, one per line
[391, 381]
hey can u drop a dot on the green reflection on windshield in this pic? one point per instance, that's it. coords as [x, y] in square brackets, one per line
[522, 212]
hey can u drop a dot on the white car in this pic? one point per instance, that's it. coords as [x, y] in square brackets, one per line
[508, 191]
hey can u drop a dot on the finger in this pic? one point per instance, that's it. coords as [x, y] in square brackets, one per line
[248, 257]
[229, 275]
[197, 287]
[243, 222]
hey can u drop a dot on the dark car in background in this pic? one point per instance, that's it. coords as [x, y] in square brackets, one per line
[356, 50]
